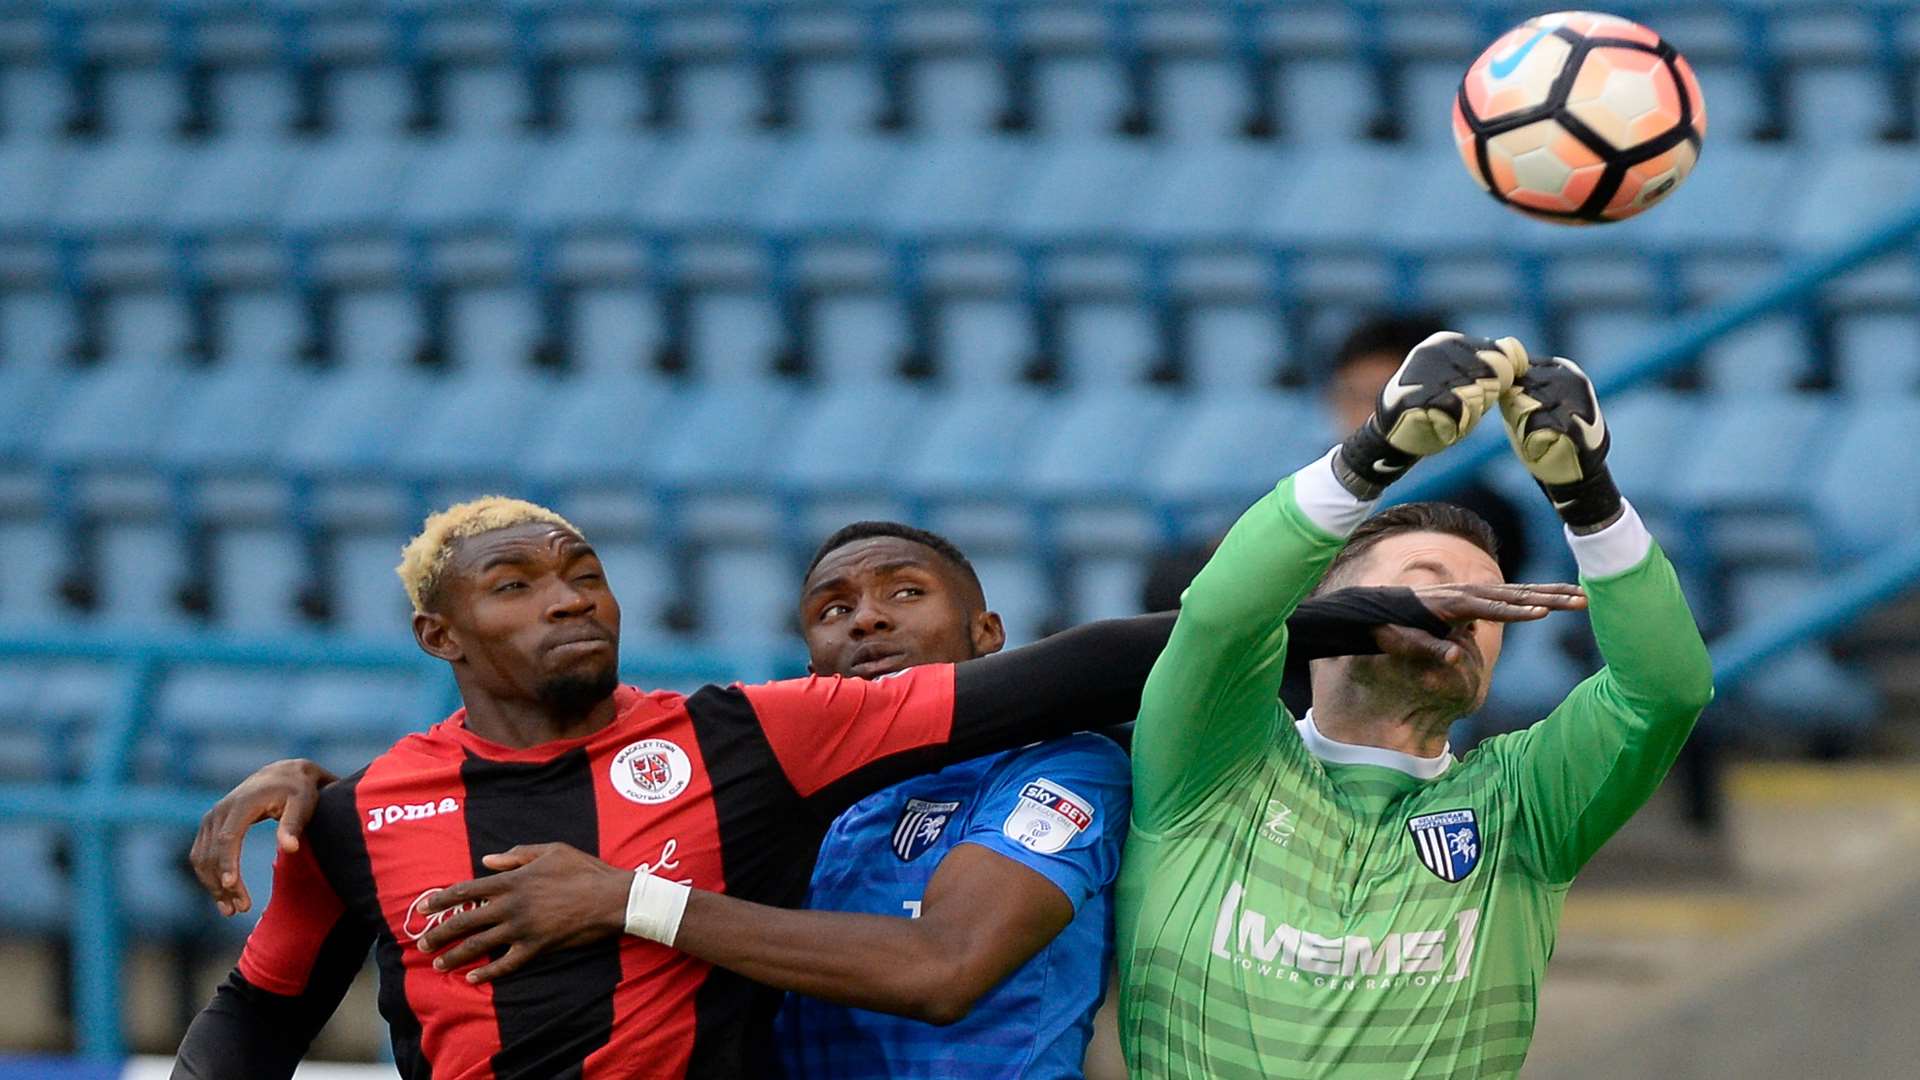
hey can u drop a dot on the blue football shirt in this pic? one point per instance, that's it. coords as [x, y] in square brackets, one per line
[1057, 807]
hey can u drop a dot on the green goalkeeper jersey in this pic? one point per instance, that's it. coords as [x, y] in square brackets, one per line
[1283, 916]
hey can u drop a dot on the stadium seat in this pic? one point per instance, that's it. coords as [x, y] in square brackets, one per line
[1852, 191]
[37, 554]
[111, 427]
[348, 717]
[212, 726]
[751, 592]
[222, 232]
[367, 599]
[1021, 591]
[594, 454]
[1733, 470]
[849, 438]
[1227, 449]
[1324, 102]
[37, 898]
[1105, 588]
[1804, 689]
[1875, 352]
[45, 730]
[1649, 428]
[443, 450]
[977, 444]
[1534, 675]
[256, 575]
[1858, 510]
[1773, 354]
[1831, 106]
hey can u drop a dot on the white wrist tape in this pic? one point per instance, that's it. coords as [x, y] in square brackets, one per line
[1326, 501]
[654, 907]
[1615, 549]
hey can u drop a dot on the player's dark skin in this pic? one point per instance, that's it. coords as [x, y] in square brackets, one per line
[524, 617]
[871, 607]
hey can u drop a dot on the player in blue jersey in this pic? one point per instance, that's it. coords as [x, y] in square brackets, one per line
[975, 897]
[1006, 860]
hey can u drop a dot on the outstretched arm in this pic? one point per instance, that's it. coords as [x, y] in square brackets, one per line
[1209, 706]
[1595, 761]
[1592, 763]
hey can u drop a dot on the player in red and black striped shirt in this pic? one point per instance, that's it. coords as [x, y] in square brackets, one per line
[729, 790]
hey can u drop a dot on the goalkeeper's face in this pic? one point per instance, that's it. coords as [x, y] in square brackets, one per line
[1432, 558]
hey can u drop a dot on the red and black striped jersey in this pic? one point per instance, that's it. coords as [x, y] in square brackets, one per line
[721, 789]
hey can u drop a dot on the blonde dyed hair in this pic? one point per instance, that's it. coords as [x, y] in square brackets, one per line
[425, 557]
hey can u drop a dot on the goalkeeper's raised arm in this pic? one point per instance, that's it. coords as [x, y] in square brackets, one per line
[1210, 701]
[1590, 765]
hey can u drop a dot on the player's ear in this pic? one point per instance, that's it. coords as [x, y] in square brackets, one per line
[988, 633]
[435, 636]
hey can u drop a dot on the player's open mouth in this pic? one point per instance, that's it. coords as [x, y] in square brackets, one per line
[870, 662]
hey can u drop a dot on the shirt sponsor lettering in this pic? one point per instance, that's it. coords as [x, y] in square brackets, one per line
[1248, 939]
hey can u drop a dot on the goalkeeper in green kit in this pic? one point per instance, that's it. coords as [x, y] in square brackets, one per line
[1337, 895]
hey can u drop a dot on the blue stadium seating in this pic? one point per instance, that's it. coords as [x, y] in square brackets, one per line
[1058, 278]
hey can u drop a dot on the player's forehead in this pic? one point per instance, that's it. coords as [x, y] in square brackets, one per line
[1421, 557]
[528, 543]
[874, 558]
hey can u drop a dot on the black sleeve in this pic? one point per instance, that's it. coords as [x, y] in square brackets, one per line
[246, 1033]
[1090, 677]
[1341, 623]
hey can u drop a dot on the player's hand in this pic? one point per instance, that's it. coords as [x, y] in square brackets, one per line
[548, 896]
[1553, 421]
[286, 791]
[1442, 389]
[1462, 605]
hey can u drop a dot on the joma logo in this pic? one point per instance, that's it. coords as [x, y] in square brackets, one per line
[379, 817]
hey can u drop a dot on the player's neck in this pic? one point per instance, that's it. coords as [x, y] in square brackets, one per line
[1347, 713]
[520, 724]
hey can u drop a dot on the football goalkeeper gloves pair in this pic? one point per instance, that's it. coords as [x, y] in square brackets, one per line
[1448, 382]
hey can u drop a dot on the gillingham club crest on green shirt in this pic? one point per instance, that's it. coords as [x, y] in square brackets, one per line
[1448, 842]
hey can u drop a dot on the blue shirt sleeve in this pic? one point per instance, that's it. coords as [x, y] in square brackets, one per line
[1061, 809]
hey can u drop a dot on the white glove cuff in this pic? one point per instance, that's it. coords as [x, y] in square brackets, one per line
[1326, 501]
[654, 907]
[1615, 549]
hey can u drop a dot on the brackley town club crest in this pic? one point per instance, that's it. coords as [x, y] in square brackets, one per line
[1448, 842]
[920, 826]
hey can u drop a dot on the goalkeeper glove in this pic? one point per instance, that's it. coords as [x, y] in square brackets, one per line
[1440, 392]
[1553, 421]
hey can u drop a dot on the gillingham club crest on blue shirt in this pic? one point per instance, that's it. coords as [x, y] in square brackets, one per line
[1448, 842]
[920, 826]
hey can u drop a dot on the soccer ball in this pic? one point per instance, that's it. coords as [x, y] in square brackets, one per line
[1579, 118]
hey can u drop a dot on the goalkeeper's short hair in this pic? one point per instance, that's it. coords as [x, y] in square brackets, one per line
[1436, 517]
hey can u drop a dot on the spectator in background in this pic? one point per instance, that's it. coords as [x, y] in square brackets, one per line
[1372, 352]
